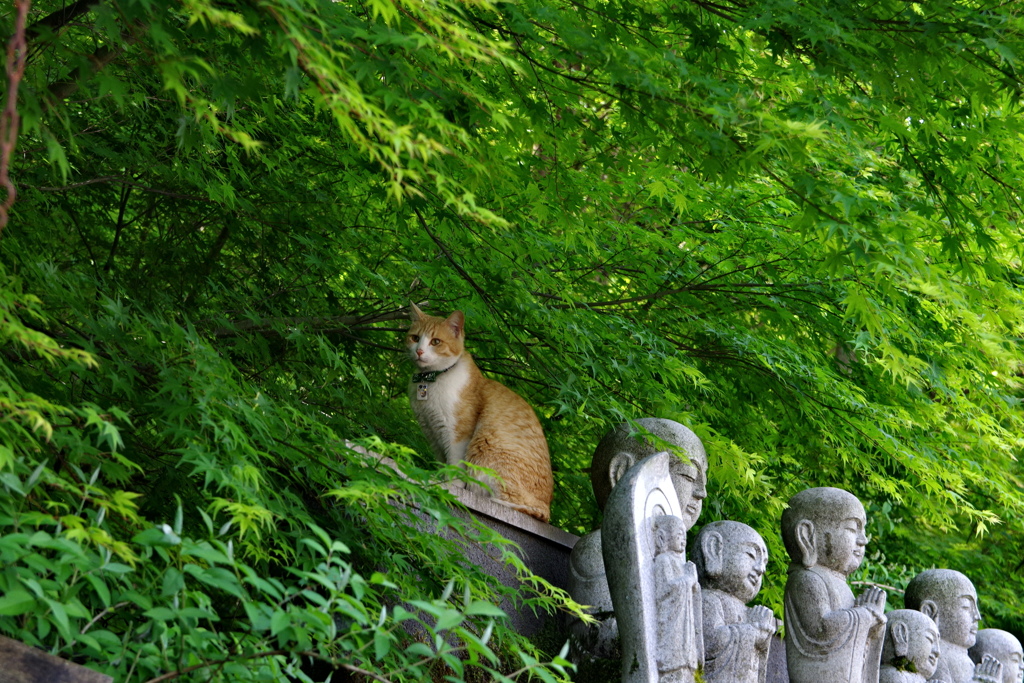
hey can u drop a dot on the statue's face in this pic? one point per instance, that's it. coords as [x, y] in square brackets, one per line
[840, 546]
[924, 650]
[1004, 647]
[690, 482]
[676, 539]
[957, 615]
[742, 568]
[1013, 666]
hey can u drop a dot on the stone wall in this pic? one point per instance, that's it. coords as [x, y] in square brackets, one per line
[20, 663]
[544, 549]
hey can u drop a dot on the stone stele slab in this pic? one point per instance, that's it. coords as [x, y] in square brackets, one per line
[627, 542]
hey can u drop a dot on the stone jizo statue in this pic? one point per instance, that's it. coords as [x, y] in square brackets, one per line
[1003, 646]
[588, 585]
[621, 448]
[949, 598]
[731, 559]
[988, 670]
[911, 649]
[676, 591]
[830, 635]
[615, 454]
[654, 589]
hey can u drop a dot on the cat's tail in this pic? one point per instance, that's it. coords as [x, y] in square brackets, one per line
[541, 513]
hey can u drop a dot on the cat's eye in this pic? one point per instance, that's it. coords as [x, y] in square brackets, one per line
[435, 341]
[414, 337]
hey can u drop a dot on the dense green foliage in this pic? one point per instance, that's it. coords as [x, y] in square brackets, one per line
[789, 226]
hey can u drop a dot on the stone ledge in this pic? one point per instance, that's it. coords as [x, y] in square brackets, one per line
[543, 548]
[488, 507]
[20, 663]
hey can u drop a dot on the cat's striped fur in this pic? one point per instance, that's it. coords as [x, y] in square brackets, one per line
[468, 417]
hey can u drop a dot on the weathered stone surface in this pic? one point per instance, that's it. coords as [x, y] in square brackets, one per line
[949, 598]
[677, 597]
[588, 585]
[1005, 648]
[629, 549]
[911, 649]
[543, 548]
[615, 454]
[830, 635]
[731, 559]
[20, 663]
[778, 668]
[619, 450]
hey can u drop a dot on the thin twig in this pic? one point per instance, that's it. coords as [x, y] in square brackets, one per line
[124, 181]
[102, 614]
[878, 585]
[331, 323]
[451, 258]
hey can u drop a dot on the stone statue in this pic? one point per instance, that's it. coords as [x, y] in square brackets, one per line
[830, 635]
[588, 585]
[731, 559]
[1000, 645]
[676, 591]
[949, 598]
[911, 649]
[649, 588]
[618, 451]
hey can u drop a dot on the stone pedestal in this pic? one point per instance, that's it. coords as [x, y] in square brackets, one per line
[20, 663]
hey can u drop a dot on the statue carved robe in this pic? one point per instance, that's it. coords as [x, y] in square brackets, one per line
[826, 632]
[735, 651]
[677, 595]
[955, 665]
[890, 674]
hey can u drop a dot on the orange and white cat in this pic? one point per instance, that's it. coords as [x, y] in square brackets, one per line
[468, 417]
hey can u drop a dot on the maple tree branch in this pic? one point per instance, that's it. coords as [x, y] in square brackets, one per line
[332, 323]
[17, 50]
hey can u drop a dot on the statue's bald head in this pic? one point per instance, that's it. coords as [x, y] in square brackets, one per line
[731, 557]
[948, 597]
[625, 446]
[818, 516]
[1004, 647]
[669, 534]
[913, 636]
[936, 584]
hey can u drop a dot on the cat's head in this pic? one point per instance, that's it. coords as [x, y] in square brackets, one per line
[434, 343]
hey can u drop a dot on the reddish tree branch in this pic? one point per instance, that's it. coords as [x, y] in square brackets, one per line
[17, 51]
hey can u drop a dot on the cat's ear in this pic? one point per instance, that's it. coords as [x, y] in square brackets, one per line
[456, 321]
[415, 314]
